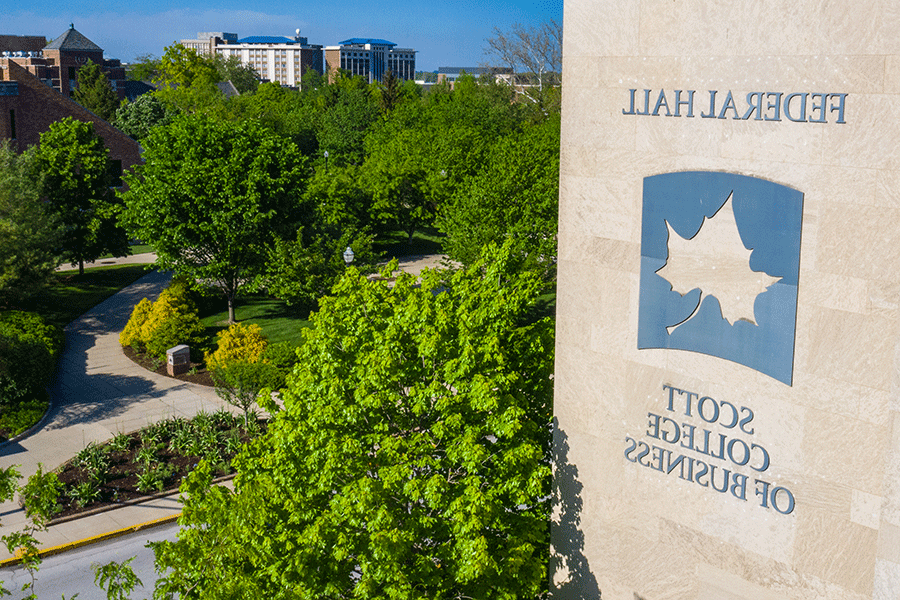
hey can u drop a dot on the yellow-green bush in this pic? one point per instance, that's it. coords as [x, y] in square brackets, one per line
[166, 306]
[131, 335]
[155, 327]
[239, 342]
[178, 328]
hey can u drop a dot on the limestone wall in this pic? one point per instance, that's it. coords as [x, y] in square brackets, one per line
[812, 508]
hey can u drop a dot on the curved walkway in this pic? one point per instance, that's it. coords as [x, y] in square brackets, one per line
[98, 392]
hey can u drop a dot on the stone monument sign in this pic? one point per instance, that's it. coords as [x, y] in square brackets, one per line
[728, 323]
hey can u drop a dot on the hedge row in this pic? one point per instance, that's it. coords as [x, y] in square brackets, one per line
[28, 351]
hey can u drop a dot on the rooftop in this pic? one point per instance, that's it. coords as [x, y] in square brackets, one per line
[364, 41]
[266, 39]
[73, 40]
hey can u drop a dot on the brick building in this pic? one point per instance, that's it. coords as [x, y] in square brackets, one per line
[57, 63]
[28, 106]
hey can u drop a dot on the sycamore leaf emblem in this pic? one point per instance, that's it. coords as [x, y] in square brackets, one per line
[715, 261]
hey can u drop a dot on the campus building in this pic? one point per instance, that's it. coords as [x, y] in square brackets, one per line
[371, 58]
[451, 74]
[207, 41]
[279, 59]
[57, 63]
[28, 106]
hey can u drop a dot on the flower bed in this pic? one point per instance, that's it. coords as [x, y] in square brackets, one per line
[150, 461]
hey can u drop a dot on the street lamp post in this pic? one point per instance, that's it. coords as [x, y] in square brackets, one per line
[326, 160]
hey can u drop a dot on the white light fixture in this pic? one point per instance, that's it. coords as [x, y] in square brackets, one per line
[348, 255]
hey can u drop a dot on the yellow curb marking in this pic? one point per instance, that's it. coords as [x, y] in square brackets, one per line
[93, 540]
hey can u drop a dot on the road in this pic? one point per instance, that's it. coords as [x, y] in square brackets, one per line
[70, 573]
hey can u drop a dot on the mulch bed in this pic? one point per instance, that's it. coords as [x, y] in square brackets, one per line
[201, 375]
[119, 481]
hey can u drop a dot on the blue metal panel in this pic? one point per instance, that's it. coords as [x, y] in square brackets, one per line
[9, 88]
[769, 218]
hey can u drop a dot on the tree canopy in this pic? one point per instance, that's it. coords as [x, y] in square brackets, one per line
[76, 182]
[95, 92]
[411, 459]
[30, 234]
[211, 196]
[138, 117]
[415, 158]
[514, 196]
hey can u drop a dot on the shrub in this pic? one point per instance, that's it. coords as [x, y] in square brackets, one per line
[26, 364]
[178, 328]
[33, 325]
[239, 382]
[157, 326]
[28, 351]
[239, 342]
[165, 307]
[131, 335]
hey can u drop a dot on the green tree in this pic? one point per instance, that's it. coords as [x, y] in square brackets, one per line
[346, 112]
[185, 67]
[411, 459]
[418, 155]
[95, 92]
[303, 270]
[144, 68]
[388, 91]
[186, 81]
[76, 181]
[138, 117]
[30, 234]
[514, 196]
[212, 195]
[244, 77]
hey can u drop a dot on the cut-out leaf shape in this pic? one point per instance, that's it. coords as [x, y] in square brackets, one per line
[715, 261]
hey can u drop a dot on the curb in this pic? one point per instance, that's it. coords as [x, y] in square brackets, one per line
[102, 509]
[94, 539]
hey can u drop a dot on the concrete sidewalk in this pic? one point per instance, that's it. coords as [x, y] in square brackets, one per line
[98, 392]
[134, 259]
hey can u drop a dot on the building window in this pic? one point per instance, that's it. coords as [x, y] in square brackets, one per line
[12, 123]
[115, 173]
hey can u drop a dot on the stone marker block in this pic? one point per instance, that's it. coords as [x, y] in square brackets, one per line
[178, 360]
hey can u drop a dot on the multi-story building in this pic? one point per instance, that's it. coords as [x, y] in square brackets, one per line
[371, 58]
[207, 41]
[57, 63]
[280, 59]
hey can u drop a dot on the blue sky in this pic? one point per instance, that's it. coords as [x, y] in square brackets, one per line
[449, 33]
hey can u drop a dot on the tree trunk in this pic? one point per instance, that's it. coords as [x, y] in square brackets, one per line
[81, 266]
[231, 309]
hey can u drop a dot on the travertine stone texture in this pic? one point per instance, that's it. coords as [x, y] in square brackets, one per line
[832, 437]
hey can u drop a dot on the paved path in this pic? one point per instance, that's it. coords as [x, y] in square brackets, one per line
[140, 259]
[98, 392]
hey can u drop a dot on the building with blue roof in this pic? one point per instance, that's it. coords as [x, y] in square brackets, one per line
[371, 58]
[280, 59]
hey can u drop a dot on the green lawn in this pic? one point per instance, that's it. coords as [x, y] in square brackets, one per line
[135, 249]
[71, 295]
[396, 244]
[279, 322]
